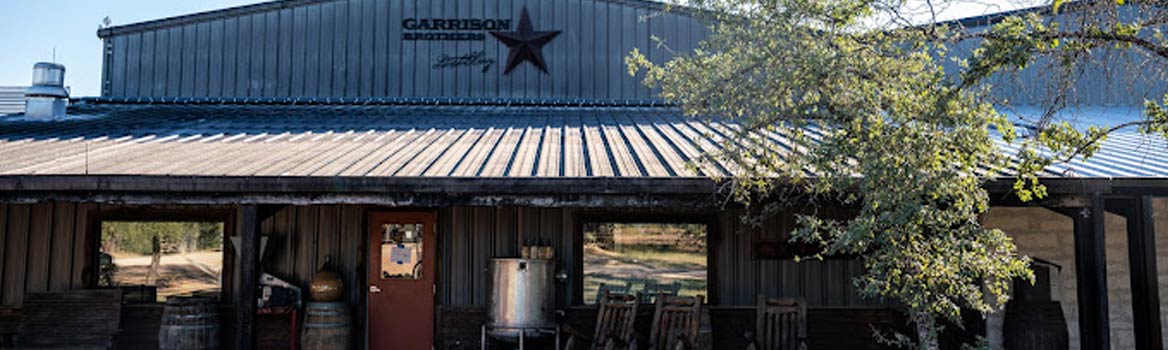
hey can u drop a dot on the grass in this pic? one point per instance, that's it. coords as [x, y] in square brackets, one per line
[664, 257]
[672, 245]
[646, 254]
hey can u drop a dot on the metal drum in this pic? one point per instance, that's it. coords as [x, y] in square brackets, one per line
[521, 296]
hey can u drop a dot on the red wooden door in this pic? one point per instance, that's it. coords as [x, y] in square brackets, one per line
[402, 250]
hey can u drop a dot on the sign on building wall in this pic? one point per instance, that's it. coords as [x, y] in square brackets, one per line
[524, 44]
[394, 48]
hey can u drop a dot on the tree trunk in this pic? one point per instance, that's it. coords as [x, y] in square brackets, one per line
[926, 331]
[155, 260]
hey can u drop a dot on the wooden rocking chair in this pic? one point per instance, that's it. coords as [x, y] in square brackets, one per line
[615, 315]
[780, 324]
[675, 323]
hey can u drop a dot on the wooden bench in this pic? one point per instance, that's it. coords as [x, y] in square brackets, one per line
[653, 289]
[648, 293]
[79, 319]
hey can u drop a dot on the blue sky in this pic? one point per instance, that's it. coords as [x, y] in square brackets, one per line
[31, 29]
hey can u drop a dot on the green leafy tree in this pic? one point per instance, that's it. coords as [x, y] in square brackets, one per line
[137, 237]
[849, 102]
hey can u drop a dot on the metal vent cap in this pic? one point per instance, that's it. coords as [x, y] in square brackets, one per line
[48, 80]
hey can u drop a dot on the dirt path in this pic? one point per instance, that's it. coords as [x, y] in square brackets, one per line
[208, 258]
[618, 267]
[178, 273]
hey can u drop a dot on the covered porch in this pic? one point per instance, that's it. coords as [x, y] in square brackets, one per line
[1107, 231]
[494, 177]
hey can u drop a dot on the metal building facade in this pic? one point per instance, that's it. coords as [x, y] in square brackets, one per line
[318, 113]
[357, 48]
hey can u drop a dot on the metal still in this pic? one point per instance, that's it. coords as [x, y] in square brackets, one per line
[521, 297]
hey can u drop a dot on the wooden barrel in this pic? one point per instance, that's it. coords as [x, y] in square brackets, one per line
[327, 326]
[189, 324]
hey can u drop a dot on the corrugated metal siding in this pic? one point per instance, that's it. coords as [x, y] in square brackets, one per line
[469, 236]
[354, 48]
[741, 277]
[1107, 76]
[12, 99]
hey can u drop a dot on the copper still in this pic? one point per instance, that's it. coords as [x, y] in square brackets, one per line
[326, 285]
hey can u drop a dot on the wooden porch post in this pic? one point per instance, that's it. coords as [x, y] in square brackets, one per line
[245, 299]
[1141, 253]
[1091, 276]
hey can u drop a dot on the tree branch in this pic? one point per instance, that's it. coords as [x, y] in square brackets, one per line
[1099, 137]
[1159, 50]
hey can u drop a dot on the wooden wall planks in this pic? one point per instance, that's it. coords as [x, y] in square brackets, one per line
[39, 237]
[82, 241]
[49, 246]
[41, 248]
[64, 221]
[16, 257]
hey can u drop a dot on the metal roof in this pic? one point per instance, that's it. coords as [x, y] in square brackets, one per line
[12, 99]
[1125, 153]
[349, 140]
[325, 139]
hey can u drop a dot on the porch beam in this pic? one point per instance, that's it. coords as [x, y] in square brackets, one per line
[1091, 275]
[1056, 202]
[245, 302]
[276, 185]
[391, 199]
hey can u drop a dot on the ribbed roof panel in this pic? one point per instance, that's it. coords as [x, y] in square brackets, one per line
[418, 140]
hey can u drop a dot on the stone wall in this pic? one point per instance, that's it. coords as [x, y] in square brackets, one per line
[1047, 235]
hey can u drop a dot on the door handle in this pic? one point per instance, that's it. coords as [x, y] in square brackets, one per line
[374, 288]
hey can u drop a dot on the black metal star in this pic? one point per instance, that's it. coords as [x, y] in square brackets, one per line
[525, 44]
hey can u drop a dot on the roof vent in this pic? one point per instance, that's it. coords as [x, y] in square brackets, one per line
[47, 97]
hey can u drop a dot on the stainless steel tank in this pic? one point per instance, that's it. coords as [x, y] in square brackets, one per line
[521, 295]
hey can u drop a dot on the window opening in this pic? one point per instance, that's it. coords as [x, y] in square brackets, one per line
[162, 259]
[645, 257]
